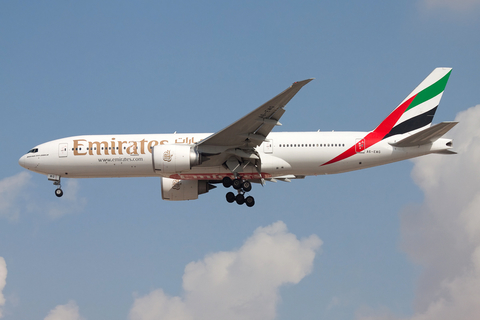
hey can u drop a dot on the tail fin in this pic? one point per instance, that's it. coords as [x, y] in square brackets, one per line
[414, 114]
[417, 110]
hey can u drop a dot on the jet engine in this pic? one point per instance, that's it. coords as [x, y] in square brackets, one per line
[174, 158]
[177, 190]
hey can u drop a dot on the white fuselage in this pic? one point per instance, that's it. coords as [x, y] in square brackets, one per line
[297, 154]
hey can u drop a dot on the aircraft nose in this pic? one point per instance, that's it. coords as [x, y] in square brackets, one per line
[21, 161]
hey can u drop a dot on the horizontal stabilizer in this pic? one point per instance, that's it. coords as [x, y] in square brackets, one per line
[428, 135]
[446, 152]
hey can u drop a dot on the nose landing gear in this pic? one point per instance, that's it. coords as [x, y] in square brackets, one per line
[241, 187]
[56, 182]
[59, 192]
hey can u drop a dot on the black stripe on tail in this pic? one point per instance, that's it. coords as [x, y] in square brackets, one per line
[414, 123]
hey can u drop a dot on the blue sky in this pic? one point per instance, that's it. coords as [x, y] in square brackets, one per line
[112, 249]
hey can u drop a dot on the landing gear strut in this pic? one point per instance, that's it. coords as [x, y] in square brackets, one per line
[56, 182]
[241, 187]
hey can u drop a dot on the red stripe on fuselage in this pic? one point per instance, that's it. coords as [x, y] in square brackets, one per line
[376, 135]
[217, 176]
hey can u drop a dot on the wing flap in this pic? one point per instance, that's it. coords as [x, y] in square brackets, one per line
[428, 135]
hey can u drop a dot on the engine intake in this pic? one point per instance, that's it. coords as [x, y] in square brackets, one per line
[174, 158]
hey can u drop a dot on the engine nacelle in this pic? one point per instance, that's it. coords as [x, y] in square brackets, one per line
[174, 158]
[177, 190]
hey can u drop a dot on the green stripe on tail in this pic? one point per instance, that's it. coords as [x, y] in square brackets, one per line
[430, 92]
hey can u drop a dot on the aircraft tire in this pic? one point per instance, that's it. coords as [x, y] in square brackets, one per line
[237, 184]
[227, 182]
[246, 186]
[58, 192]
[249, 201]
[240, 199]
[230, 197]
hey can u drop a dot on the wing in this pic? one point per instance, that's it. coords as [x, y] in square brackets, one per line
[251, 130]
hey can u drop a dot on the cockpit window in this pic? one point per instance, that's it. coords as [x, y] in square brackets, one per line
[34, 150]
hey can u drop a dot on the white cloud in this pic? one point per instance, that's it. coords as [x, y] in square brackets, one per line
[67, 311]
[3, 282]
[239, 284]
[157, 305]
[443, 234]
[11, 190]
[17, 195]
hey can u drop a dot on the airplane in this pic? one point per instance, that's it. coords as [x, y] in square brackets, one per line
[247, 151]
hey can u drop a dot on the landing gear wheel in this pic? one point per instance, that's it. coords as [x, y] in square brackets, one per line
[58, 192]
[230, 197]
[249, 201]
[246, 186]
[227, 182]
[240, 199]
[237, 184]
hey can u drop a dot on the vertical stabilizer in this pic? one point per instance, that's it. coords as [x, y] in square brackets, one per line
[417, 110]
[414, 114]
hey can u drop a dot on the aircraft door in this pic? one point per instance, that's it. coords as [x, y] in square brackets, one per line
[62, 150]
[268, 146]
[360, 145]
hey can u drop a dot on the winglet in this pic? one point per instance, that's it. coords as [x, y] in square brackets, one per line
[302, 83]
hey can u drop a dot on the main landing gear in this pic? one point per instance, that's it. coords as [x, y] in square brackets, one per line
[241, 186]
